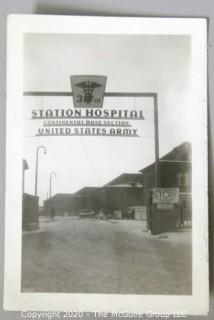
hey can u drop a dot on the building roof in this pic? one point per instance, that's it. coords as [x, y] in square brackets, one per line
[61, 196]
[85, 190]
[123, 186]
[181, 153]
[127, 180]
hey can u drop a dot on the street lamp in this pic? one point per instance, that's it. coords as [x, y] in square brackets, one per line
[51, 175]
[37, 162]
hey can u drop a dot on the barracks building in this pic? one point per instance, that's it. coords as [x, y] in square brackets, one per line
[175, 171]
[115, 198]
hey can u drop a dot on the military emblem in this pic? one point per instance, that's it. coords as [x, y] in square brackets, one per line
[88, 91]
[88, 88]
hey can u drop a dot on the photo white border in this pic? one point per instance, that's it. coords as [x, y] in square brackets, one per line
[14, 299]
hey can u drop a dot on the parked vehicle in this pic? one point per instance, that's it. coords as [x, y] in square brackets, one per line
[100, 216]
[86, 213]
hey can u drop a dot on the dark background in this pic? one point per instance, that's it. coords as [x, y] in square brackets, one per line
[143, 8]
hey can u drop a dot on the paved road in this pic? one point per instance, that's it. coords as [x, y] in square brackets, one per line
[94, 256]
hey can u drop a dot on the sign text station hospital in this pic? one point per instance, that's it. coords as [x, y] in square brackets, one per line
[88, 113]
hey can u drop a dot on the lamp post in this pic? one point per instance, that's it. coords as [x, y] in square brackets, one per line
[52, 174]
[37, 163]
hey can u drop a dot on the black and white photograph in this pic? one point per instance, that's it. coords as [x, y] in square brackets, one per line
[110, 149]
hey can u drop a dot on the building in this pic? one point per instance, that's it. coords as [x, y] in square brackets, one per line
[120, 194]
[62, 204]
[30, 205]
[89, 199]
[175, 171]
[132, 191]
[30, 212]
[116, 196]
[131, 179]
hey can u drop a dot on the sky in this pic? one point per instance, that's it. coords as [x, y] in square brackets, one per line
[136, 63]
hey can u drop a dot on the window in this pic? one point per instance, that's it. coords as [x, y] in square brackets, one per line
[183, 180]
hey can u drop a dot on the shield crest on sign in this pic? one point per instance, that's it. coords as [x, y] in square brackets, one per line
[88, 91]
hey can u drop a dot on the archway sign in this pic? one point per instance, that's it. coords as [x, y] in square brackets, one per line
[94, 113]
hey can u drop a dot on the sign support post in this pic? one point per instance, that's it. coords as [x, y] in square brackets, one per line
[156, 140]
